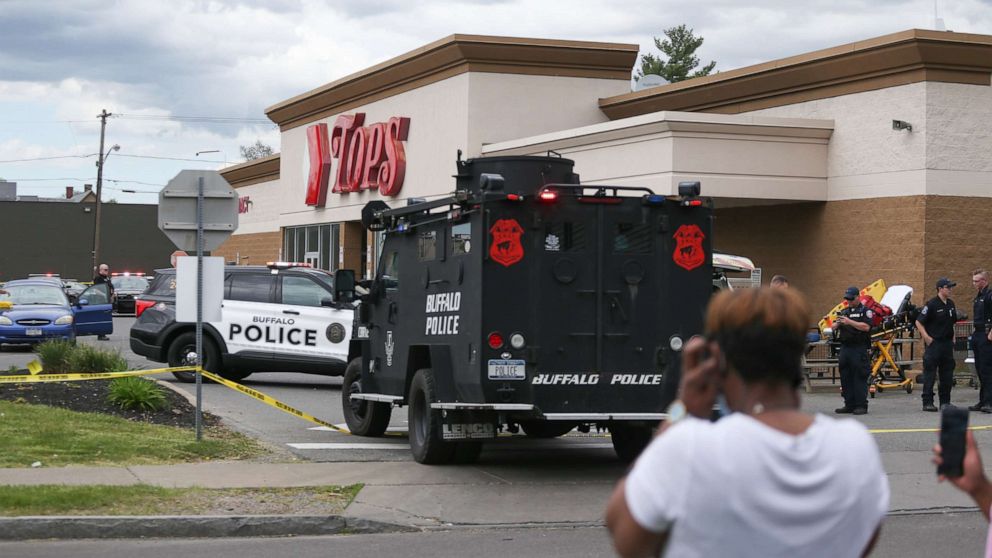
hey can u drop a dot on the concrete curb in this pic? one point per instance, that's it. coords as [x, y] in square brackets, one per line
[172, 526]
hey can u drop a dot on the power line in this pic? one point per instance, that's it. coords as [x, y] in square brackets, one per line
[169, 158]
[49, 158]
[212, 119]
[75, 179]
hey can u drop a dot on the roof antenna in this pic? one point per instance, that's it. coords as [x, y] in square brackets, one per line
[938, 22]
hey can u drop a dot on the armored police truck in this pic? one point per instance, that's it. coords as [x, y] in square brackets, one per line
[527, 300]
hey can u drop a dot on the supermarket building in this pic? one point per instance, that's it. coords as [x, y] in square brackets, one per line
[836, 167]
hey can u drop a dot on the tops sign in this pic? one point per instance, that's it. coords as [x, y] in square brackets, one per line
[369, 157]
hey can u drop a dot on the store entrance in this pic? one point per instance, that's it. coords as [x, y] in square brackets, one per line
[317, 245]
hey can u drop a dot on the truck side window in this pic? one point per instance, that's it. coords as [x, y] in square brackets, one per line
[564, 237]
[301, 291]
[427, 246]
[252, 287]
[391, 271]
[632, 238]
[461, 239]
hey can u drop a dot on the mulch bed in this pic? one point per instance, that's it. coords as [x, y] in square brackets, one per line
[90, 396]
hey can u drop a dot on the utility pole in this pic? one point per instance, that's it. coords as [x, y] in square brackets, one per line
[99, 186]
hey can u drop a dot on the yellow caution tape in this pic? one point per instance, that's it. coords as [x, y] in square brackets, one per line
[75, 377]
[34, 367]
[271, 401]
[911, 430]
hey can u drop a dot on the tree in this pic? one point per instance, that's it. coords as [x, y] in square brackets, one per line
[256, 151]
[680, 48]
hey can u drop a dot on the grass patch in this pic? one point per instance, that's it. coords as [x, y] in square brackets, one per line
[55, 355]
[58, 437]
[136, 393]
[86, 358]
[152, 500]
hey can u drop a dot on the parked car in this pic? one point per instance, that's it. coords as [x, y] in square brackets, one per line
[126, 287]
[281, 317]
[36, 310]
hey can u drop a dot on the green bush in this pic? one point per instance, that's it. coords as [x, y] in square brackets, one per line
[86, 358]
[55, 355]
[136, 393]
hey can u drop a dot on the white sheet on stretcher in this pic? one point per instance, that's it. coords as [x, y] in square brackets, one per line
[895, 297]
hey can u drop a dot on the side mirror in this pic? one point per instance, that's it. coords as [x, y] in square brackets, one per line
[83, 302]
[344, 285]
[327, 302]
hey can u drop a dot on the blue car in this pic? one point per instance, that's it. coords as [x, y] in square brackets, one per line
[36, 310]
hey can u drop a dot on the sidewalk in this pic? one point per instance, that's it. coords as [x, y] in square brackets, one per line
[401, 496]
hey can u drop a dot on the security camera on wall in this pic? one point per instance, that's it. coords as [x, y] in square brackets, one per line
[902, 125]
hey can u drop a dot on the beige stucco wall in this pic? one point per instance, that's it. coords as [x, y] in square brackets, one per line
[733, 156]
[949, 151]
[264, 212]
[508, 106]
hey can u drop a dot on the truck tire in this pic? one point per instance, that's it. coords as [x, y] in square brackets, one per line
[364, 418]
[547, 428]
[629, 440]
[426, 442]
[184, 344]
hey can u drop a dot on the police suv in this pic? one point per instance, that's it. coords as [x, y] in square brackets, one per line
[280, 317]
[527, 300]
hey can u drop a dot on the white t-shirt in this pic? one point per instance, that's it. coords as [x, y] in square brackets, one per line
[737, 487]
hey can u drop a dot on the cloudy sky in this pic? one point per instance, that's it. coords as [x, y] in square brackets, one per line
[183, 76]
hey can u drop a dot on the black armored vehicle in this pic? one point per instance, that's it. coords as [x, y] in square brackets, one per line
[527, 300]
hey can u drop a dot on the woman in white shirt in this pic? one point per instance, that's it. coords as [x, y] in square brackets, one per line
[766, 480]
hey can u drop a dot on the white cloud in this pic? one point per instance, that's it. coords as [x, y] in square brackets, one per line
[66, 61]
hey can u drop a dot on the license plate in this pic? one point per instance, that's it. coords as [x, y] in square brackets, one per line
[32, 332]
[500, 369]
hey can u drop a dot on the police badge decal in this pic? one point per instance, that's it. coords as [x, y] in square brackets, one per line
[688, 252]
[506, 248]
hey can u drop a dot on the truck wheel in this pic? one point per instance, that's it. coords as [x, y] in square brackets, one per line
[364, 418]
[426, 442]
[629, 440]
[184, 344]
[546, 428]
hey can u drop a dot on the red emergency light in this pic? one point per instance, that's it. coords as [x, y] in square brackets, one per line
[495, 340]
[142, 305]
[548, 195]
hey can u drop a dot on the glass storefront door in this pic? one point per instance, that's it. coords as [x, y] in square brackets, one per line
[317, 245]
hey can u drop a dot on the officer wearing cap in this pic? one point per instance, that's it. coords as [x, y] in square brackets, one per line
[936, 325]
[981, 339]
[853, 324]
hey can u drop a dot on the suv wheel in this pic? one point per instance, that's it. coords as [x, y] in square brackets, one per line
[185, 344]
[426, 442]
[630, 439]
[364, 418]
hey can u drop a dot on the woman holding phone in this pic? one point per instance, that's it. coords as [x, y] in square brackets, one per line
[766, 480]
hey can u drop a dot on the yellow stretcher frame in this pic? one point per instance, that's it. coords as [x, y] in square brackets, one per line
[876, 290]
[879, 381]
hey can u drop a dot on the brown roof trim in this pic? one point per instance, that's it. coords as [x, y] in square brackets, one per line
[453, 55]
[252, 172]
[897, 59]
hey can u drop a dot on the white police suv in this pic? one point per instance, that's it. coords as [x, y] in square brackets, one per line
[276, 318]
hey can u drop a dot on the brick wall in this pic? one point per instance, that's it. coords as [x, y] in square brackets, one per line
[824, 247]
[258, 248]
[959, 239]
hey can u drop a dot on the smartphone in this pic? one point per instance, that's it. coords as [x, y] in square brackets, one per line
[953, 425]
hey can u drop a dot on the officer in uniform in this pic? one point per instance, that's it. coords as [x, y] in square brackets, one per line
[853, 324]
[981, 339]
[936, 325]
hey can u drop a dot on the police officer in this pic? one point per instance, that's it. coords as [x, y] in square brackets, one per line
[981, 339]
[936, 325]
[853, 324]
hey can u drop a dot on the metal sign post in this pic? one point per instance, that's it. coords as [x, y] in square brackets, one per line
[184, 223]
[199, 308]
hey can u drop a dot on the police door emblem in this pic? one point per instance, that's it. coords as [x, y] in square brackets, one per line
[552, 243]
[389, 348]
[506, 248]
[689, 247]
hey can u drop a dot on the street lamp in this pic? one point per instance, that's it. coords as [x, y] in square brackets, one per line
[214, 151]
[99, 191]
